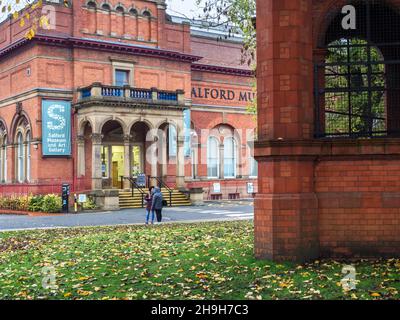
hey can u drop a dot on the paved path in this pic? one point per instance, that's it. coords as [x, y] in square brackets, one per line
[234, 210]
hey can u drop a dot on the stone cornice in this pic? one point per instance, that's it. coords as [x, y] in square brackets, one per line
[130, 104]
[223, 70]
[103, 46]
[328, 148]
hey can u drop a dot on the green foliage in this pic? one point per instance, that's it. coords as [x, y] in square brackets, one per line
[51, 203]
[36, 203]
[179, 261]
[237, 18]
[90, 204]
[342, 76]
[18, 203]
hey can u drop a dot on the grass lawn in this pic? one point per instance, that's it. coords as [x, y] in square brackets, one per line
[197, 261]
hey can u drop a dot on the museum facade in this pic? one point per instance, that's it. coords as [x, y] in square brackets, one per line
[116, 90]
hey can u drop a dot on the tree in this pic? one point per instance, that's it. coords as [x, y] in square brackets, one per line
[28, 12]
[237, 17]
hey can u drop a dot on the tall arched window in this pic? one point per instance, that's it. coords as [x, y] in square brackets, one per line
[20, 157]
[253, 167]
[213, 158]
[172, 141]
[28, 156]
[5, 160]
[357, 87]
[230, 158]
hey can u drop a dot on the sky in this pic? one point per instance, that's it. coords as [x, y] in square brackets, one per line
[186, 8]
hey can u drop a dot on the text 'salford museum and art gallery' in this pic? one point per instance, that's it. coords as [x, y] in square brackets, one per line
[118, 90]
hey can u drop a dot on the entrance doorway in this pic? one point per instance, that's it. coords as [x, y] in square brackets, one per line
[137, 165]
[112, 165]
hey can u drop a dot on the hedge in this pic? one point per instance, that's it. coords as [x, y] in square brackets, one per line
[50, 203]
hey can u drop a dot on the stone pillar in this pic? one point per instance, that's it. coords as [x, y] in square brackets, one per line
[152, 157]
[80, 141]
[127, 160]
[286, 207]
[96, 161]
[180, 163]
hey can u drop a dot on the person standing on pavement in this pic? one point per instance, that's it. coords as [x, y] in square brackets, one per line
[157, 203]
[149, 202]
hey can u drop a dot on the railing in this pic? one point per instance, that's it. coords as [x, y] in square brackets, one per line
[45, 186]
[142, 94]
[111, 92]
[134, 186]
[168, 96]
[154, 95]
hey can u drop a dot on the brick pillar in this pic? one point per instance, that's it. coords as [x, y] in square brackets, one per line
[286, 208]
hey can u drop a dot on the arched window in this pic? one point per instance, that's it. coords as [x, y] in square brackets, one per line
[253, 165]
[213, 157]
[133, 12]
[120, 9]
[28, 156]
[20, 157]
[358, 78]
[172, 141]
[91, 5]
[4, 162]
[146, 13]
[106, 7]
[230, 158]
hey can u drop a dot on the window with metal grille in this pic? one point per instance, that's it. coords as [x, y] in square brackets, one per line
[357, 86]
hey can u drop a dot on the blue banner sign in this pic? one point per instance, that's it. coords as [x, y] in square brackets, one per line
[56, 128]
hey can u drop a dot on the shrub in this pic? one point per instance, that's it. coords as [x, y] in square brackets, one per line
[36, 203]
[51, 203]
[19, 203]
[90, 204]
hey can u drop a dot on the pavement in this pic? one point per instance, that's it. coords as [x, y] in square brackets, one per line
[211, 211]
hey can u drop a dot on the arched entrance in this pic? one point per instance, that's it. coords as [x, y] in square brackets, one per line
[112, 154]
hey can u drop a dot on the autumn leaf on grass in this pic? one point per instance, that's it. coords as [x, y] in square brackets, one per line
[375, 294]
[84, 293]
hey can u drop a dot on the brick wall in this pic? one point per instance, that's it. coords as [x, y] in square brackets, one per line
[316, 198]
[359, 206]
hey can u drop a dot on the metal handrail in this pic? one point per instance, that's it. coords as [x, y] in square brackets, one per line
[134, 186]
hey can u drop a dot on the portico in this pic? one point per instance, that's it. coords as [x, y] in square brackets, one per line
[124, 132]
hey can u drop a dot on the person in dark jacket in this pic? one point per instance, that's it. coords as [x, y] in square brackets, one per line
[157, 203]
[149, 202]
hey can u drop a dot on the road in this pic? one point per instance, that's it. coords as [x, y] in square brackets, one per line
[233, 210]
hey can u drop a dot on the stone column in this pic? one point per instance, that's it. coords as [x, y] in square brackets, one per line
[180, 163]
[127, 160]
[286, 207]
[96, 161]
[80, 142]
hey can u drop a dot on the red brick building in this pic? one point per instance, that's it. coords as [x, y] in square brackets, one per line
[131, 73]
[328, 119]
